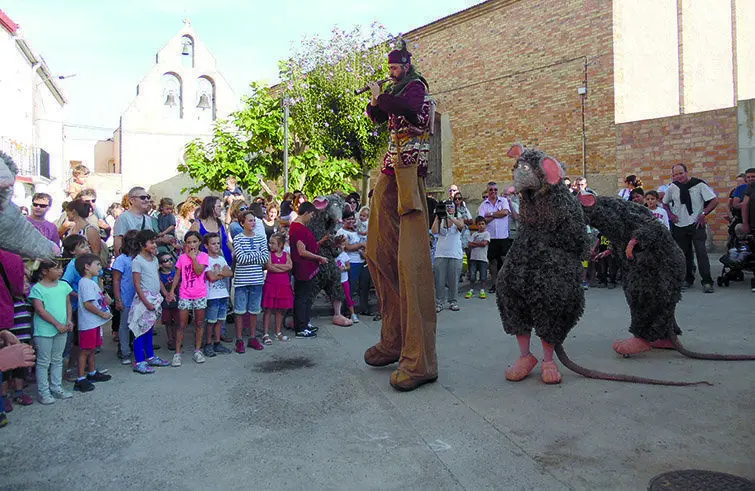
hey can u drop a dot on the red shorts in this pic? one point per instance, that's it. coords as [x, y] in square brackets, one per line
[90, 339]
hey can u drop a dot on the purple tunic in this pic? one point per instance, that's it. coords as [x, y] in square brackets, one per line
[48, 229]
[408, 116]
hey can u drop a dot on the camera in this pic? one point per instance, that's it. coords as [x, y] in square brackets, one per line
[441, 209]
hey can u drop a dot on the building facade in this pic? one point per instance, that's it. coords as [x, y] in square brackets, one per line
[32, 105]
[610, 88]
[177, 101]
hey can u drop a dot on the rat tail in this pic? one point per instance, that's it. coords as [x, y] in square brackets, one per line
[618, 377]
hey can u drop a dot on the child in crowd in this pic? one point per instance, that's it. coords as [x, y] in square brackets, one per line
[277, 294]
[146, 306]
[344, 264]
[170, 308]
[651, 201]
[123, 290]
[251, 255]
[192, 295]
[354, 244]
[13, 380]
[93, 313]
[166, 220]
[478, 257]
[74, 246]
[605, 261]
[217, 276]
[364, 218]
[637, 195]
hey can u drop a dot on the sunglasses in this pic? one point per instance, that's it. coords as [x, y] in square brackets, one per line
[458, 199]
[90, 200]
[165, 260]
[144, 197]
[493, 189]
[243, 208]
[40, 205]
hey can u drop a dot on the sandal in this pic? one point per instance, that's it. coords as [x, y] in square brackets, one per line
[438, 308]
[282, 337]
[454, 307]
[266, 339]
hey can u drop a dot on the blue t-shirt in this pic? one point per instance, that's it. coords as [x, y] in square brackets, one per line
[72, 277]
[167, 280]
[740, 191]
[128, 290]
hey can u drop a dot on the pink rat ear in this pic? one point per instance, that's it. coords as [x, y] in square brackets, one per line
[553, 171]
[587, 199]
[321, 203]
[515, 151]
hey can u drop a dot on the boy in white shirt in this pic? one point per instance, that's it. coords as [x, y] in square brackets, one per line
[651, 201]
[217, 276]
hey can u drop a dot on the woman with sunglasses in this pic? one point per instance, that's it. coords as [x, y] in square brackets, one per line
[232, 217]
[209, 222]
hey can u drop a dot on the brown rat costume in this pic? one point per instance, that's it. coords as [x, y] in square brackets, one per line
[398, 253]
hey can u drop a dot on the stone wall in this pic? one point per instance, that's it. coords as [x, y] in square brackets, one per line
[705, 142]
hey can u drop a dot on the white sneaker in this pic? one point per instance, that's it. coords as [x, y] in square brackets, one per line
[126, 361]
[61, 394]
[46, 399]
[354, 319]
[198, 357]
[176, 360]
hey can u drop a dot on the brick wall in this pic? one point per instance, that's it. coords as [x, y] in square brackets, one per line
[509, 70]
[705, 142]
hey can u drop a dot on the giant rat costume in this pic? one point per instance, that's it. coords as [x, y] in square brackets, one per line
[653, 270]
[539, 286]
[398, 253]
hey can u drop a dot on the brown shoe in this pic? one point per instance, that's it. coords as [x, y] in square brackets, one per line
[404, 383]
[376, 358]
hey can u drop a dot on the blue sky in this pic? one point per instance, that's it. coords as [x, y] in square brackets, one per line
[110, 45]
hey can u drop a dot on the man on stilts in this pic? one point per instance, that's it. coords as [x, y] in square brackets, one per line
[398, 251]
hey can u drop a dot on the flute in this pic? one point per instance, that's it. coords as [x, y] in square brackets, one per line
[366, 88]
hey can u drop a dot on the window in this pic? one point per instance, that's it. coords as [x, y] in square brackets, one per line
[205, 109]
[172, 96]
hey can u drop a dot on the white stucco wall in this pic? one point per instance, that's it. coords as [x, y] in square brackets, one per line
[708, 60]
[152, 144]
[15, 91]
[745, 10]
[646, 61]
[647, 74]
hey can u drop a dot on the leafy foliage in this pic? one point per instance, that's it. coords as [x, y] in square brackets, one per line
[332, 141]
[319, 80]
[248, 146]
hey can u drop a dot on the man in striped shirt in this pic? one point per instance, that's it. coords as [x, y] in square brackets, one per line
[251, 253]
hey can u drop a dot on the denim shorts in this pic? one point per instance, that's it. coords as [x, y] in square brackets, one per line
[247, 299]
[217, 309]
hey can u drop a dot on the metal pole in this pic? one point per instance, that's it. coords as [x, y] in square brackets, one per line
[285, 148]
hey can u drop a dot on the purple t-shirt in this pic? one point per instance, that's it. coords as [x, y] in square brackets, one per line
[48, 229]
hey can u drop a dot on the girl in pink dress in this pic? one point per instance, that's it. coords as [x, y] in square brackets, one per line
[277, 294]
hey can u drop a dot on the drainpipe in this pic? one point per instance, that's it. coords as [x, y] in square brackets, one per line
[583, 92]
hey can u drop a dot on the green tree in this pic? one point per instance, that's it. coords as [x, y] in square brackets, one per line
[248, 146]
[318, 83]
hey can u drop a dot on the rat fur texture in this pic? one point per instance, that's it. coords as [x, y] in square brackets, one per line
[539, 286]
[652, 280]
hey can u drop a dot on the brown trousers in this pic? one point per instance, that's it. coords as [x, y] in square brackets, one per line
[398, 255]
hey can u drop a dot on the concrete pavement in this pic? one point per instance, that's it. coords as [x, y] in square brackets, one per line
[309, 414]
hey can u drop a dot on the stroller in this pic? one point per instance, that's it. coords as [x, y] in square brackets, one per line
[738, 258]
